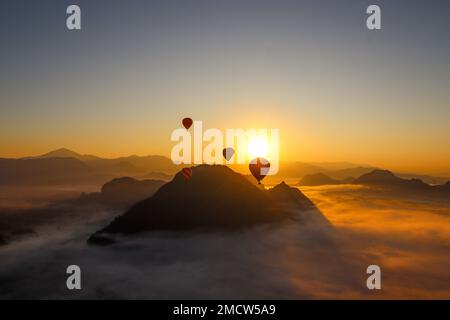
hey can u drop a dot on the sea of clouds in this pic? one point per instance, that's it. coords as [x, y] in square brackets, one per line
[301, 259]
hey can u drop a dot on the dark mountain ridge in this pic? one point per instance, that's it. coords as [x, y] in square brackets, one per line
[215, 197]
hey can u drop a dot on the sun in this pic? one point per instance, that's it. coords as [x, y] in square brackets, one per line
[257, 147]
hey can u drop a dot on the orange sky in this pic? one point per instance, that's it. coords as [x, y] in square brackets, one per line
[299, 142]
[121, 85]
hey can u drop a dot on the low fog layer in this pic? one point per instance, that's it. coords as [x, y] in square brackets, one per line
[409, 240]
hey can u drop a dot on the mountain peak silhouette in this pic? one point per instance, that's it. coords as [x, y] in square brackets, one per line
[283, 193]
[378, 176]
[215, 197]
[387, 178]
[67, 153]
[64, 150]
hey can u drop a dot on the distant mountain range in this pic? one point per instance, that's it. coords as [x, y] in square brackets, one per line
[336, 166]
[380, 178]
[48, 171]
[215, 197]
[297, 169]
[135, 164]
[386, 178]
[157, 176]
[66, 167]
[65, 153]
[319, 179]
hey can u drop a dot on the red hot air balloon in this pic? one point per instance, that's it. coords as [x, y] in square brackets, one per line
[259, 168]
[187, 173]
[187, 123]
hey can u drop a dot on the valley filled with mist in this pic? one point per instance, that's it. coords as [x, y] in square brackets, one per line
[221, 236]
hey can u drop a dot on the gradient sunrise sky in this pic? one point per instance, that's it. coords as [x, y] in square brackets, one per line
[337, 91]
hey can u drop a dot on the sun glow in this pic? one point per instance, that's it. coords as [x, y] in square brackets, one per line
[257, 147]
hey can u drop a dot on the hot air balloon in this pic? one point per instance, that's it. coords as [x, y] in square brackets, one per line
[187, 173]
[187, 123]
[228, 153]
[259, 168]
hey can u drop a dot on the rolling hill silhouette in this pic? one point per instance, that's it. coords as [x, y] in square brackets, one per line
[156, 176]
[387, 178]
[347, 173]
[114, 168]
[122, 192]
[65, 153]
[298, 170]
[215, 197]
[66, 167]
[143, 164]
[383, 180]
[319, 179]
[47, 171]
